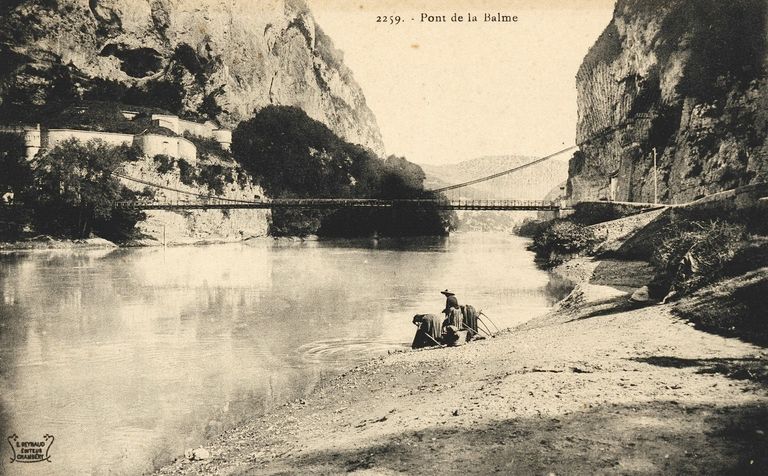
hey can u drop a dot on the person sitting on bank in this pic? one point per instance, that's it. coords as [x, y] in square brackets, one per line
[452, 310]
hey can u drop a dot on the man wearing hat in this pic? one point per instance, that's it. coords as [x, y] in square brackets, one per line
[452, 310]
[450, 301]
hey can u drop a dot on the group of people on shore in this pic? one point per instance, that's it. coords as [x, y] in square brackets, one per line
[456, 324]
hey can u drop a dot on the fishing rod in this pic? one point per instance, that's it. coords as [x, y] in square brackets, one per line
[489, 319]
[487, 329]
[470, 329]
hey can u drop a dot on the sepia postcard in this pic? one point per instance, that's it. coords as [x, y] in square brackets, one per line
[383, 237]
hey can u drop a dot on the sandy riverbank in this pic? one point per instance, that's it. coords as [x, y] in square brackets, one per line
[44, 242]
[594, 386]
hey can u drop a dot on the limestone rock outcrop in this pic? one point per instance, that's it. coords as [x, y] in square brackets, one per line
[686, 78]
[215, 58]
[195, 226]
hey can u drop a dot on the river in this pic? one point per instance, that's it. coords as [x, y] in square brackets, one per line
[129, 356]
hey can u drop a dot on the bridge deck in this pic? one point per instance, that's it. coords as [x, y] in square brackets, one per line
[335, 203]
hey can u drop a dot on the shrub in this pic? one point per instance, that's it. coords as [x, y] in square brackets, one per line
[164, 163]
[695, 254]
[530, 227]
[207, 147]
[213, 177]
[590, 213]
[242, 177]
[560, 239]
[187, 173]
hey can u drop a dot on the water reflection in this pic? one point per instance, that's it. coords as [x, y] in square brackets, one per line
[130, 356]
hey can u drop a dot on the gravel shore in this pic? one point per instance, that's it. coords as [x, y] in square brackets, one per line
[595, 386]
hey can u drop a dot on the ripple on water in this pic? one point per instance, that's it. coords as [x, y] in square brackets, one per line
[346, 350]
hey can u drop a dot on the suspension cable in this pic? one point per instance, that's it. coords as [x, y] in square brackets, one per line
[497, 175]
[177, 190]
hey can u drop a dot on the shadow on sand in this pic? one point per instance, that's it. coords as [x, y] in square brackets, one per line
[752, 369]
[649, 438]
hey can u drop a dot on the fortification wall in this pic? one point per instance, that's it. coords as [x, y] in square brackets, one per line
[53, 137]
[176, 147]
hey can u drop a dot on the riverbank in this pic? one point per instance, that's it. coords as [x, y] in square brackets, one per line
[595, 386]
[45, 242]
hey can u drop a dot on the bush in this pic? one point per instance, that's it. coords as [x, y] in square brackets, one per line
[164, 163]
[187, 173]
[530, 227]
[590, 213]
[214, 177]
[695, 254]
[207, 147]
[561, 239]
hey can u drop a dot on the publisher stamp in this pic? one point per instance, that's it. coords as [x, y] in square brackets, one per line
[30, 451]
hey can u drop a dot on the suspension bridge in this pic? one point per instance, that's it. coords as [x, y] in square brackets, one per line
[187, 200]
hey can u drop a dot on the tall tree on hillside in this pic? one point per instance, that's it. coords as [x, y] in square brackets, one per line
[292, 155]
[76, 192]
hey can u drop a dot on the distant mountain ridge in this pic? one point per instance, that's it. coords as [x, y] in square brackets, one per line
[532, 183]
[538, 182]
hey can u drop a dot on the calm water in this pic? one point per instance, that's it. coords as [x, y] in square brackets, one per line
[130, 356]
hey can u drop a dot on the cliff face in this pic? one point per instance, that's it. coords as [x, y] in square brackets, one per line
[204, 58]
[191, 226]
[686, 77]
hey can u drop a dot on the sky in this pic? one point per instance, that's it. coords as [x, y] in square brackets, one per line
[444, 92]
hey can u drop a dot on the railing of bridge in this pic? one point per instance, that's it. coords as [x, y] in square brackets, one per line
[336, 203]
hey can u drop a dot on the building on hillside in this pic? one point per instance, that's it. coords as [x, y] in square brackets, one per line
[32, 137]
[38, 138]
[208, 129]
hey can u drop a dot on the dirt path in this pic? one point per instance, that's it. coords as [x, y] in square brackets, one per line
[594, 387]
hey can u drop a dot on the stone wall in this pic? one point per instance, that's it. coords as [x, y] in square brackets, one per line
[52, 137]
[176, 147]
[150, 144]
[208, 129]
[32, 137]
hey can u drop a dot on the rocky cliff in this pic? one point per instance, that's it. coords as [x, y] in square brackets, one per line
[195, 226]
[200, 58]
[686, 78]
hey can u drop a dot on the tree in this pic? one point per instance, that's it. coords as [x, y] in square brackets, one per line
[292, 155]
[288, 152]
[76, 192]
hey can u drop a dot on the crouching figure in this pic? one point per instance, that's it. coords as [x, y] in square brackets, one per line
[429, 332]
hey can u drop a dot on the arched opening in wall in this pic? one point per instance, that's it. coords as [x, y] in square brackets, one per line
[166, 148]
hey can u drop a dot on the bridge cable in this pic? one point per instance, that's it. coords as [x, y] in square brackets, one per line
[185, 192]
[442, 189]
[497, 175]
